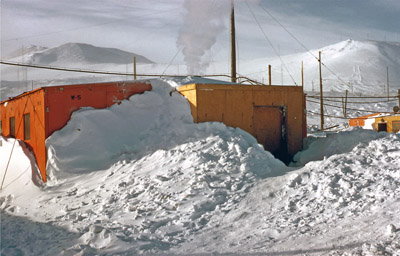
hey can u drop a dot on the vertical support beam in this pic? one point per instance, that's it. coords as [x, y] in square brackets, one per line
[398, 95]
[134, 68]
[321, 100]
[302, 74]
[387, 75]
[233, 45]
[345, 105]
[269, 75]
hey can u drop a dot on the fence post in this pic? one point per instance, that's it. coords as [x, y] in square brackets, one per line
[321, 98]
[398, 95]
[134, 68]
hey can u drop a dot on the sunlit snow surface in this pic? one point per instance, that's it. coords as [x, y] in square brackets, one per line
[141, 177]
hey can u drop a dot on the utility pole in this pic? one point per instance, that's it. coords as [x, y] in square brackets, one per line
[233, 45]
[321, 100]
[387, 75]
[269, 75]
[134, 68]
[398, 95]
[302, 75]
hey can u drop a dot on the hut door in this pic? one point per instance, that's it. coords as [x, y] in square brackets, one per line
[268, 126]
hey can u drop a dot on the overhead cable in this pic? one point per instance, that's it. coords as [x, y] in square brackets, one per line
[270, 43]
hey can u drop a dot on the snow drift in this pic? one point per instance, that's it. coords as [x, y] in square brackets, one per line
[141, 177]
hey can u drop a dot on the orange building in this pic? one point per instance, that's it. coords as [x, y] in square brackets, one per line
[360, 121]
[274, 115]
[33, 116]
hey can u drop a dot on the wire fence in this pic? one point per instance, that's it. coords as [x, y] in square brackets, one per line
[344, 103]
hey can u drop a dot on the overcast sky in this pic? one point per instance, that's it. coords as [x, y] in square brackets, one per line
[159, 29]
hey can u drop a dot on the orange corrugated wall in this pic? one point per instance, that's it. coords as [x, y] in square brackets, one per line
[29, 103]
[360, 121]
[61, 101]
[51, 108]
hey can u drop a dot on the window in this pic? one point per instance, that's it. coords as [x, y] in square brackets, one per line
[27, 127]
[12, 127]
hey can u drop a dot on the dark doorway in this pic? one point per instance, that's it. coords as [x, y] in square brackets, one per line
[382, 127]
[270, 130]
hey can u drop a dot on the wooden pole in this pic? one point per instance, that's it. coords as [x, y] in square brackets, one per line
[321, 100]
[345, 105]
[233, 45]
[302, 74]
[387, 75]
[134, 68]
[398, 95]
[269, 75]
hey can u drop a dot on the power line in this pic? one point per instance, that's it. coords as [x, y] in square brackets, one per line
[357, 102]
[270, 43]
[352, 97]
[288, 32]
[95, 71]
[297, 40]
[340, 117]
[354, 109]
[169, 64]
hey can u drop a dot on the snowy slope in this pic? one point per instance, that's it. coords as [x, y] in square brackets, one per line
[357, 66]
[25, 51]
[77, 53]
[141, 177]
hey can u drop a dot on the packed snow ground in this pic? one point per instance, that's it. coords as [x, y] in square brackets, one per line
[141, 177]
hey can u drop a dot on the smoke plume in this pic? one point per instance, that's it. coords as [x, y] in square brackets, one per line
[203, 22]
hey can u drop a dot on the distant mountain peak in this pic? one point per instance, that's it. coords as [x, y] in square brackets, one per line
[84, 53]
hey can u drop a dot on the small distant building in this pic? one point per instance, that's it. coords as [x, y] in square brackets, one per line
[362, 120]
[33, 116]
[390, 123]
[381, 122]
[274, 115]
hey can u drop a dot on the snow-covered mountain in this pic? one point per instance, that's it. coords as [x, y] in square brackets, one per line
[81, 53]
[25, 51]
[358, 66]
[362, 65]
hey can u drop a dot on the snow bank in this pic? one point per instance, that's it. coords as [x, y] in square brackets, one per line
[17, 178]
[141, 177]
[95, 139]
[349, 201]
[318, 148]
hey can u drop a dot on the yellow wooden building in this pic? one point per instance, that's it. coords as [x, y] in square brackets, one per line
[274, 115]
[390, 123]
